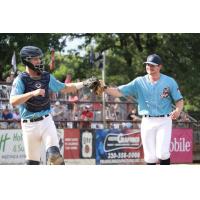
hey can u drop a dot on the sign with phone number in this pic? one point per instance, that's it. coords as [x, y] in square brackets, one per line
[114, 146]
[124, 155]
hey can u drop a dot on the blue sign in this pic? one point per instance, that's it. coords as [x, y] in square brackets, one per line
[115, 146]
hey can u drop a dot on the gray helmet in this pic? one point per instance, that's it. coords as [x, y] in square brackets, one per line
[29, 52]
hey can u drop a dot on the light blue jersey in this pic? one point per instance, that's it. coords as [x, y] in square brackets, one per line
[153, 98]
[18, 88]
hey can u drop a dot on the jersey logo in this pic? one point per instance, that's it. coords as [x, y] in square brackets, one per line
[38, 85]
[165, 93]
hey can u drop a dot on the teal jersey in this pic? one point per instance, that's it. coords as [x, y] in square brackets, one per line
[18, 88]
[153, 98]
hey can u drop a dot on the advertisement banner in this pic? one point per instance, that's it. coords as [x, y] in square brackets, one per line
[115, 146]
[71, 143]
[79, 146]
[11, 147]
[87, 144]
[181, 145]
[108, 146]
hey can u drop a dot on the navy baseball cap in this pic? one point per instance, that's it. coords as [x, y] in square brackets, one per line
[153, 59]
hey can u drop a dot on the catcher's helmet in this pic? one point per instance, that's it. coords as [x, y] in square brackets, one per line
[29, 52]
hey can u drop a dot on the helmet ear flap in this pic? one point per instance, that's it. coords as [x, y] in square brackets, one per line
[24, 61]
[28, 64]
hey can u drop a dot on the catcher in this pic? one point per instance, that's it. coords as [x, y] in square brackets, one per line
[155, 94]
[30, 91]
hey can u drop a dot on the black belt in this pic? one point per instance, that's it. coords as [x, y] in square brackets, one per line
[157, 115]
[35, 119]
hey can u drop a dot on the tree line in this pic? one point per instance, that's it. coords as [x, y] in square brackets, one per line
[125, 54]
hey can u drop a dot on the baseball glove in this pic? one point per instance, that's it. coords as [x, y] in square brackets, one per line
[95, 85]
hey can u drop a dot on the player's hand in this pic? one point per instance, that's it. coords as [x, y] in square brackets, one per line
[39, 92]
[95, 85]
[71, 89]
[175, 114]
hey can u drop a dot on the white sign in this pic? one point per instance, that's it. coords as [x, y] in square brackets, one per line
[12, 147]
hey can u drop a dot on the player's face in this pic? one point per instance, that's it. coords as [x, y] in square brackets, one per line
[35, 60]
[153, 69]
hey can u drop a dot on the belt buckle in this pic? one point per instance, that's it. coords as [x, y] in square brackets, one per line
[35, 119]
[31, 120]
[45, 116]
[38, 119]
[26, 121]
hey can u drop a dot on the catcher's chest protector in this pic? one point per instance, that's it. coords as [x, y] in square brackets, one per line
[36, 104]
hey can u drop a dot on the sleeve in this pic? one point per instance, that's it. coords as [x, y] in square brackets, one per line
[17, 87]
[175, 92]
[55, 85]
[129, 89]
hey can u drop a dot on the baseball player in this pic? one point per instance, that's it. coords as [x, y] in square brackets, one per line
[30, 91]
[155, 93]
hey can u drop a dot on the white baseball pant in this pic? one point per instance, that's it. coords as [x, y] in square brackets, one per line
[36, 133]
[156, 138]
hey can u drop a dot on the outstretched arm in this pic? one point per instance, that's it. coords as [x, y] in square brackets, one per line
[73, 87]
[94, 84]
[113, 91]
[90, 83]
[70, 88]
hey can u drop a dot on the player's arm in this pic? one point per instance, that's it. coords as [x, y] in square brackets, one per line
[94, 84]
[22, 98]
[178, 98]
[72, 87]
[18, 96]
[91, 83]
[123, 90]
[179, 107]
[57, 86]
[113, 91]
